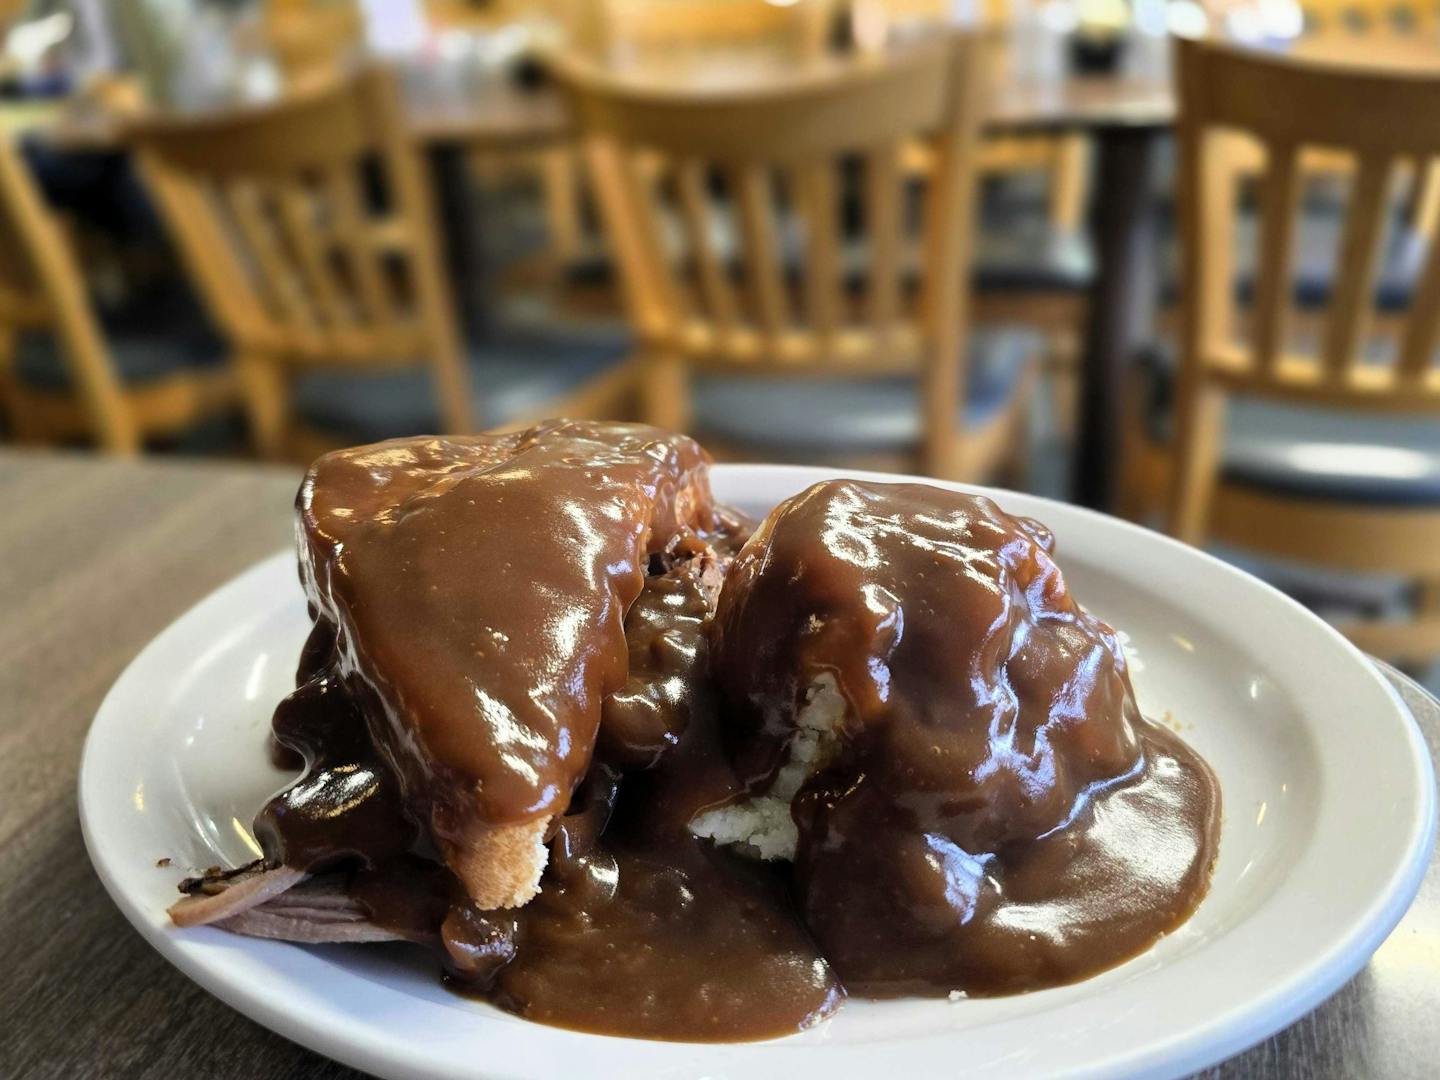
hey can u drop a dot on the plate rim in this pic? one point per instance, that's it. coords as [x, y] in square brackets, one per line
[1209, 1040]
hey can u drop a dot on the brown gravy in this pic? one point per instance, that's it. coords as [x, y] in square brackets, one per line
[1000, 817]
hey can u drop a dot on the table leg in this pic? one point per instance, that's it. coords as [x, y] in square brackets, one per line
[1123, 300]
[459, 222]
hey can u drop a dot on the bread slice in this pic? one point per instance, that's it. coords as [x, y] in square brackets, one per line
[500, 865]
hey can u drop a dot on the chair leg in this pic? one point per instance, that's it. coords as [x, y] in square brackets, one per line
[1068, 182]
[452, 384]
[1062, 375]
[1195, 463]
[1017, 452]
[111, 416]
[665, 393]
[9, 414]
[264, 391]
[1138, 500]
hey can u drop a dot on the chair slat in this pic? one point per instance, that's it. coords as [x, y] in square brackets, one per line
[275, 280]
[815, 182]
[1422, 328]
[715, 290]
[754, 191]
[354, 233]
[1210, 253]
[649, 176]
[648, 293]
[1279, 194]
[313, 262]
[1352, 301]
[1423, 211]
[883, 226]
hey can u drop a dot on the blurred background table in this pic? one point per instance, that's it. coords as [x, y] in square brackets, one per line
[104, 556]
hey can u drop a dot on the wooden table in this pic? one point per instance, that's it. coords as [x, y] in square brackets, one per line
[96, 557]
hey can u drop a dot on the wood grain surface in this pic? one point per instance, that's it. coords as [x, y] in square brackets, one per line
[95, 559]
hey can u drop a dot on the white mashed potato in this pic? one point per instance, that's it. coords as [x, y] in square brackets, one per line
[762, 826]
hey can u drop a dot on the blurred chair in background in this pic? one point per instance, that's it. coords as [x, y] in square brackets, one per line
[309, 228]
[654, 36]
[1295, 448]
[1033, 264]
[819, 355]
[66, 372]
[1061, 161]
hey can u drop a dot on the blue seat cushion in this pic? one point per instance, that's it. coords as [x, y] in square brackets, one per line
[816, 415]
[1318, 453]
[510, 376]
[148, 339]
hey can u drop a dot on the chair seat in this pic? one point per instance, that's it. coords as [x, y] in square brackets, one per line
[817, 415]
[148, 340]
[1317, 453]
[510, 377]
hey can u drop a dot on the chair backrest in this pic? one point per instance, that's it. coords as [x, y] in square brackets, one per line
[309, 228]
[1381, 121]
[41, 286]
[772, 160]
[1061, 158]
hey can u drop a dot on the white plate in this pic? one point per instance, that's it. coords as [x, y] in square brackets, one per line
[1328, 825]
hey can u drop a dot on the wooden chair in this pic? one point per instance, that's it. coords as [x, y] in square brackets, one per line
[1063, 160]
[332, 292]
[1033, 265]
[1328, 471]
[652, 33]
[762, 330]
[81, 390]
